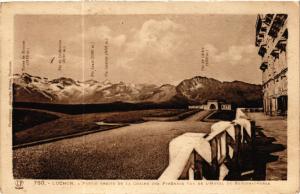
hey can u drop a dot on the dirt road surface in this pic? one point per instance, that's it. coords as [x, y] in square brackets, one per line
[199, 116]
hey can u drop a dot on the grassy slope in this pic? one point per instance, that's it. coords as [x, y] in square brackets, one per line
[78, 123]
[27, 118]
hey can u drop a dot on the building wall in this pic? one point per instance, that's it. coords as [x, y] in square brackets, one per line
[208, 106]
[212, 105]
[226, 107]
[271, 40]
[195, 107]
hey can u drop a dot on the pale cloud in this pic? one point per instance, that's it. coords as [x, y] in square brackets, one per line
[99, 34]
[237, 58]
[163, 48]
[72, 64]
[148, 49]
[235, 54]
[160, 39]
[163, 36]
[211, 48]
[119, 40]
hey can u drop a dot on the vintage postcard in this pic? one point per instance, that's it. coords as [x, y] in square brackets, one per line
[140, 97]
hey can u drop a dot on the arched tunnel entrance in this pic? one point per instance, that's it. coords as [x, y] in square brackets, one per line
[212, 107]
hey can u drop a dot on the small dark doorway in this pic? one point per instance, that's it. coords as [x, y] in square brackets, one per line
[212, 107]
[282, 102]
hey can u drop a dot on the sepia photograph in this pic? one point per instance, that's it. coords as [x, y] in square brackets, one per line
[101, 98]
[150, 97]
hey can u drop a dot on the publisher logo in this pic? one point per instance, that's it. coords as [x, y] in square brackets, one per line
[19, 184]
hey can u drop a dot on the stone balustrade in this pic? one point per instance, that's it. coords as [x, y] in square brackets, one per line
[213, 156]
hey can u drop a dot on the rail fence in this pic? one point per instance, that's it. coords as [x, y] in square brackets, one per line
[214, 156]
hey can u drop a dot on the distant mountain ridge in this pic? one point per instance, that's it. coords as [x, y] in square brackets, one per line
[200, 89]
[28, 88]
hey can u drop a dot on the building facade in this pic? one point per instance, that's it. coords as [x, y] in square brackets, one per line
[225, 106]
[212, 105]
[271, 40]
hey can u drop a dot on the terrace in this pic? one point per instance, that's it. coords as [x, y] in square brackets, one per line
[237, 150]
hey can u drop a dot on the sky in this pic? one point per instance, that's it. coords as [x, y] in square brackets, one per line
[156, 49]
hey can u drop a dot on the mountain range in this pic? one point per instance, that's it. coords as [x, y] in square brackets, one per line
[197, 90]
